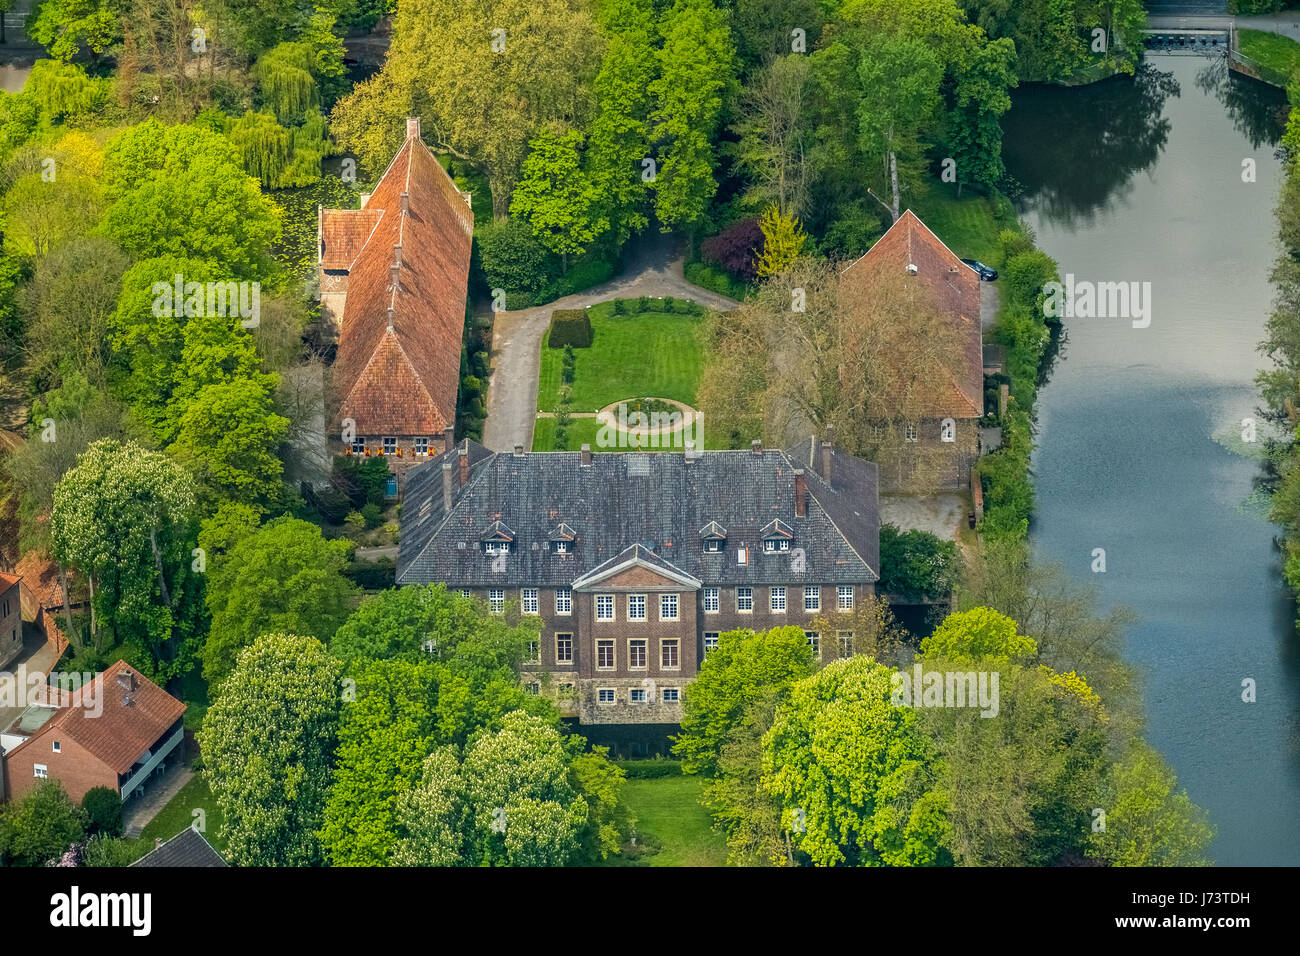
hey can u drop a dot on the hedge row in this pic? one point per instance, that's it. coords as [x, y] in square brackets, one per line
[570, 327]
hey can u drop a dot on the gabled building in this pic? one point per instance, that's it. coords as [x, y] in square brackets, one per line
[189, 848]
[393, 277]
[11, 618]
[949, 429]
[636, 562]
[113, 732]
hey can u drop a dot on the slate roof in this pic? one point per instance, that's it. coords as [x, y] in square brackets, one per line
[187, 848]
[658, 501]
[398, 365]
[120, 735]
[956, 290]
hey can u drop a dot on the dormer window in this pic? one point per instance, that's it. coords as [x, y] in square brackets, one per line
[497, 539]
[560, 541]
[777, 537]
[714, 538]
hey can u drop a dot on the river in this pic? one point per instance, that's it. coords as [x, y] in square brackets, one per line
[1139, 429]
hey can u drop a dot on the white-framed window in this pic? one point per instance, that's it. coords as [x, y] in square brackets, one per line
[773, 545]
[464, 592]
[58, 747]
[560, 547]
[390, 445]
[637, 695]
[812, 598]
[564, 648]
[605, 655]
[528, 600]
[564, 600]
[668, 656]
[909, 432]
[672, 694]
[710, 641]
[41, 771]
[778, 600]
[604, 607]
[636, 654]
[496, 600]
[815, 642]
[742, 556]
[668, 607]
[712, 545]
[636, 607]
[845, 595]
[845, 639]
[422, 446]
[534, 653]
[605, 695]
[533, 689]
[358, 446]
[711, 601]
[496, 547]
[744, 599]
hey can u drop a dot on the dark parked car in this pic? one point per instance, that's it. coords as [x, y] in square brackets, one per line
[985, 273]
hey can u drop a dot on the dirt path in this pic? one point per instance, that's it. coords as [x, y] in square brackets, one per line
[653, 268]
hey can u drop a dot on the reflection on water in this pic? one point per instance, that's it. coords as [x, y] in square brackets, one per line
[1140, 180]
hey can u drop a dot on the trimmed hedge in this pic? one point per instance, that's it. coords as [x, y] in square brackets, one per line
[650, 769]
[372, 575]
[570, 327]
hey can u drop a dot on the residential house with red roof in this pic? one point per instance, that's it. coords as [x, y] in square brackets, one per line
[115, 731]
[950, 430]
[394, 276]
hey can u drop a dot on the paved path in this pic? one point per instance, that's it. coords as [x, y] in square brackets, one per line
[653, 268]
[990, 302]
[139, 812]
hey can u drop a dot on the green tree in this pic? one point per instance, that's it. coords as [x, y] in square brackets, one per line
[855, 775]
[917, 564]
[125, 517]
[978, 634]
[982, 97]
[102, 808]
[268, 743]
[282, 577]
[555, 196]
[42, 824]
[65, 27]
[783, 241]
[696, 82]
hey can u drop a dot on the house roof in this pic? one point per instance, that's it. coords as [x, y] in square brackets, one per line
[637, 556]
[398, 364]
[7, 581]
[41, 577]
[130, 723]
[187, 848]
[657, 501]
[956, 291]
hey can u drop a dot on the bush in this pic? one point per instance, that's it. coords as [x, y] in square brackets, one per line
[1025, 274]
[570, 327]
[515, 261]
[104, 851]
[582, 275]
[102, 807]
[736, 249]
[569, 365]
[373, 515]
[916, 564]
[619, 307]
[378, 575]
[354, 524]
[715, 280]
[650, 769]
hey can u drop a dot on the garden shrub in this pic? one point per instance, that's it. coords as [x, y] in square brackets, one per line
[736, 249]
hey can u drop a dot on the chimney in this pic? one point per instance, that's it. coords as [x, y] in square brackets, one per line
[464, 464]
[413, 127]
[519, 450]
[467, 200]
[394, 271]
[911, 269]
[390, 318]
[448, 438]
[365, 198]
[586, 454]
[397, 253]
[406, 203]
[690, 452]
[800, 494]
[448, 495]
[828, 446]
[157, 842]
[756, 447]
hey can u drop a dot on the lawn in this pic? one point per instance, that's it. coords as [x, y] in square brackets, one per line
[179, 814]
[969, 226]
[651, 354]
[1271, 50]
[581, 431]
[669, 815]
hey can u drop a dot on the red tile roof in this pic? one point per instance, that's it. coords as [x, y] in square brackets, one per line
[41, 577]
[121, 734]
[398, 365]
[956, 290]
[7, 581]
